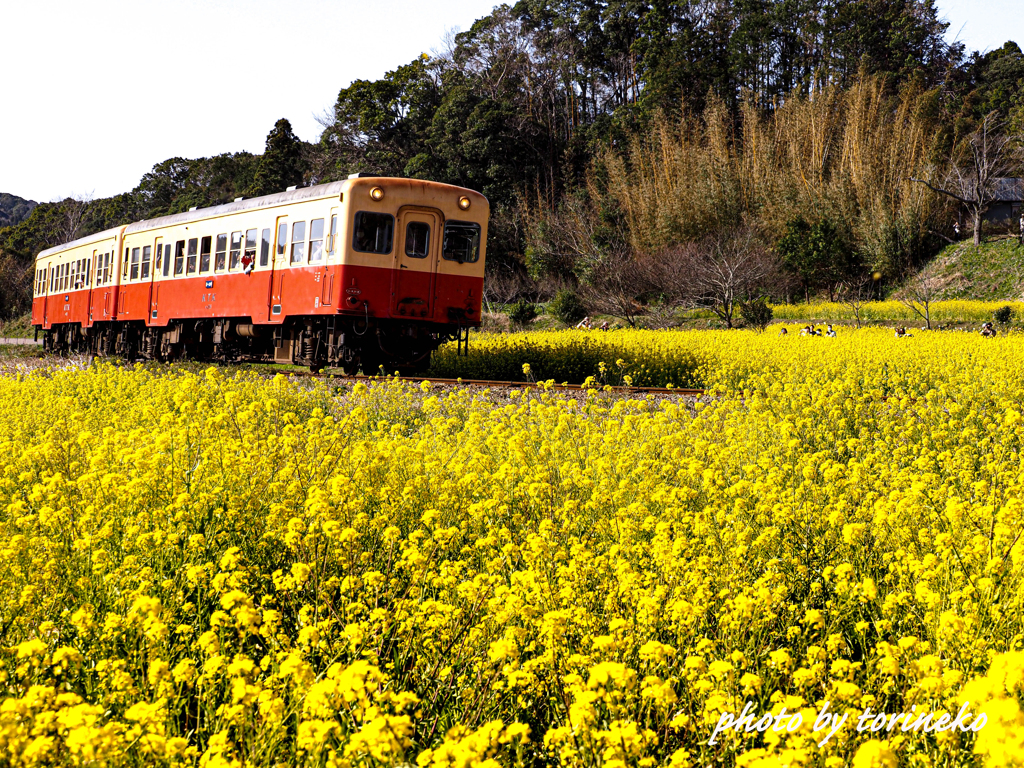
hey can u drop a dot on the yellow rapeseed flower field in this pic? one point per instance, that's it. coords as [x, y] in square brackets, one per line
[217, 569]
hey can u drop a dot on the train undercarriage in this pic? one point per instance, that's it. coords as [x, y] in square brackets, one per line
[317, 342]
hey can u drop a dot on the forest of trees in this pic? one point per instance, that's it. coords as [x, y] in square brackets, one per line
[628, 147]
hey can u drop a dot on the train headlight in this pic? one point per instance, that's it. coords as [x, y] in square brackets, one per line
[377, 194]
[464, 203]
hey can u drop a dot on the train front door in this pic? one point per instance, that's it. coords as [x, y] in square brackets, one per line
[416, 254]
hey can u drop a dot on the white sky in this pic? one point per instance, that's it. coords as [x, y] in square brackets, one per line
[96, 93]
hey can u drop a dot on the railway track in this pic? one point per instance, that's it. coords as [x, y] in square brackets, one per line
[504, 384]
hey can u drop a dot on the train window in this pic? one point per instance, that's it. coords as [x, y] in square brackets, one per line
[332, 237]
[249, 257]
[179, 257]
[193, 250]
[265, 247]
[167, 259]
[282, 237]
[221, 261]
[159, 259]
[204, 253]
[88, 271]
[298, 242]
[147, 253]
[236, 250]
[316, 240]
[461, 242]
[135, 264]
[373, 232]
[417, 239]
[124, 267]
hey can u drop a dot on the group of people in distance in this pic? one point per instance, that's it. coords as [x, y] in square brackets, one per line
[987, 330]
[810, 330]
[587, 323]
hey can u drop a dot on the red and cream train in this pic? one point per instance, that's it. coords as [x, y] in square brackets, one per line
[364, 272]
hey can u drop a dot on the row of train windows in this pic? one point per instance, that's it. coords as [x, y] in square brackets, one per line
[198, 254]
[373, 233]
[305, 251]
[232, 252]
[74, 275]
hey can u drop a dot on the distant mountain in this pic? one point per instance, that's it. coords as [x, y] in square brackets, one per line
[14, 209]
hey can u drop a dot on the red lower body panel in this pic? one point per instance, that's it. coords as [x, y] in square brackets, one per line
[266, 297]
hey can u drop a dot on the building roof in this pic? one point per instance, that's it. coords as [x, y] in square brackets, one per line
[1008, 190]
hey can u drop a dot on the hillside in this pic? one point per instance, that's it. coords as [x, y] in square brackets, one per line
[14, 209]
[993, 271]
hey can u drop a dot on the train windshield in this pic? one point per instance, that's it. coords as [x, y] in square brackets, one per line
[461, 241]
[373, 232]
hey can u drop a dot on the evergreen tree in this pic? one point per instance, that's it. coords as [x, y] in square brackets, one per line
[281, 165]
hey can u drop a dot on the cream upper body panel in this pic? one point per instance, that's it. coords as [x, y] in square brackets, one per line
[324, 215]
[412, 195]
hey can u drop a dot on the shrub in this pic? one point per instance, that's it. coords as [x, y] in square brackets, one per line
[757, 313]
[521, 313]
[567, 307]
[1003, 315]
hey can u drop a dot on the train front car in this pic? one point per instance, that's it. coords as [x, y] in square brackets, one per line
[411, 276]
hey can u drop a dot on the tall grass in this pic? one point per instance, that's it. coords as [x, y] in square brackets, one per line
[843, 155]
